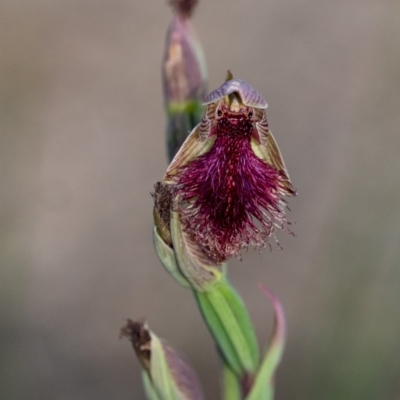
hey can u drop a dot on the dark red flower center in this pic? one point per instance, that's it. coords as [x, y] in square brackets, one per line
[228, 189]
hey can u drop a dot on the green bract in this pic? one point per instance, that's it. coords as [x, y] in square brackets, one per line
[230, 325]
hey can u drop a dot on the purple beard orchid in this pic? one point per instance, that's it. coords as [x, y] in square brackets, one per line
[229, 178]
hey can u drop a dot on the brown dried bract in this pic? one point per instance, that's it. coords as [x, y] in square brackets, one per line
[139, 336]
[162, 201]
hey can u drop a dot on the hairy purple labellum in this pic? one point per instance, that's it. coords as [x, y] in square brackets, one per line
[230, 195]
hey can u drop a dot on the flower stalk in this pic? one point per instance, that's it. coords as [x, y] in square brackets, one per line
[227, 175]
[223, 191]
[231, 385]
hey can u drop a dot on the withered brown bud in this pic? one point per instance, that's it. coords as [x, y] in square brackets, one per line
[166, 371]
[184, 7]
[139, 336]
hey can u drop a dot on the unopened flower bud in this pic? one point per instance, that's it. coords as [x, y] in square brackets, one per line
[184, 76]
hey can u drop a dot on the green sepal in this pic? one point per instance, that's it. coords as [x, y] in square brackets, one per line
[199, 269]
[151, 392]
[167, 257]
[263, 386]
[172, 376]
[230, 326]
[160, 372]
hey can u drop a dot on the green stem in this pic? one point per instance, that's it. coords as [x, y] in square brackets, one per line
[231, 385]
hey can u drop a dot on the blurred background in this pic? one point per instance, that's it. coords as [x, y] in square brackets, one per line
[82, 142]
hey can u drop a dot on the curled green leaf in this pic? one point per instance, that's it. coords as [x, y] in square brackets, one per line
[263, 386]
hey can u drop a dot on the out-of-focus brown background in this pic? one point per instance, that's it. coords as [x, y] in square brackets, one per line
[82, 142]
